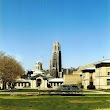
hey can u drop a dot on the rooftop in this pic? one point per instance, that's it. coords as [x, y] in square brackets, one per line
[103, 61]
[56, 80]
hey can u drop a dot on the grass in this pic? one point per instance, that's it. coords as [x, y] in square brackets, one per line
[106, 90]
[87, 102]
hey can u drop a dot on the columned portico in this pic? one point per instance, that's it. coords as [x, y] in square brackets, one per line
[55, 82]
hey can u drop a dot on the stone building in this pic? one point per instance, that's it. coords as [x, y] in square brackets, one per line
[73, 79]
[88, 77]
[55, 62]
[99, 75]
[38, 69]
[39, 80]
[102, 74]
[96, 74]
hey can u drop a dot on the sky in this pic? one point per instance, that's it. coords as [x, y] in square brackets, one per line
[28, 29]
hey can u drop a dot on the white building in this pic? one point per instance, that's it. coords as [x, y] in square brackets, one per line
[39, 80]
[88, 76]
[102, 74]
[38, 69]
[99, 75]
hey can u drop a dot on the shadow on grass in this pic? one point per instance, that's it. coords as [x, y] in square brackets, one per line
[63, 94]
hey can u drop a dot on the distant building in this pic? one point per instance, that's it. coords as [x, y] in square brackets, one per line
[102, 74]
[93, 75]
[96, 75]
[38, 69]
[88, 76]
[68, 71]
[73, 79]
[99, 75]
[38, 80]
[55, 62]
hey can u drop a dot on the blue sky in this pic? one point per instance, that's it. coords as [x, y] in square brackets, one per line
[28, 29]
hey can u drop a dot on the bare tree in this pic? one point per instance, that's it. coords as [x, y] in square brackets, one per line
[10, 69]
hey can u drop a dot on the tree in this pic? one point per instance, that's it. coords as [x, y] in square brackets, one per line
[10, 70]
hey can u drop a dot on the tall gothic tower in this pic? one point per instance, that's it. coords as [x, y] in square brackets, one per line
[55, 62]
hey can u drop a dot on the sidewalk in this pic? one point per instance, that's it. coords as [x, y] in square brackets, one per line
[36, 93]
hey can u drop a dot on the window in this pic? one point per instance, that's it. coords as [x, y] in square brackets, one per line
[19, 84]
[58, 48]
[108, 73]
[108, 81]
[24, 84]
[14, 84]
[29, 84]
[55, 47]
[38, 67]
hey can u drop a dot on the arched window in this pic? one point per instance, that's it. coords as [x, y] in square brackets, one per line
[55, 47]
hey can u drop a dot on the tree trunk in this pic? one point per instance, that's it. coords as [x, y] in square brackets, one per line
[4, 85]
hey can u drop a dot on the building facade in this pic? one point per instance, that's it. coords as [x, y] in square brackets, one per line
[99, 75]
[55, 62]
[88, 77]
[102, 74]
[72, 79]
[38, 69]
[38, 80]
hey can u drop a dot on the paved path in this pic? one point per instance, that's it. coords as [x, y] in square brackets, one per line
[37, 93]
[95, 92]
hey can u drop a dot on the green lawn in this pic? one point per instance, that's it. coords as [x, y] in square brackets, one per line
[89, 102]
